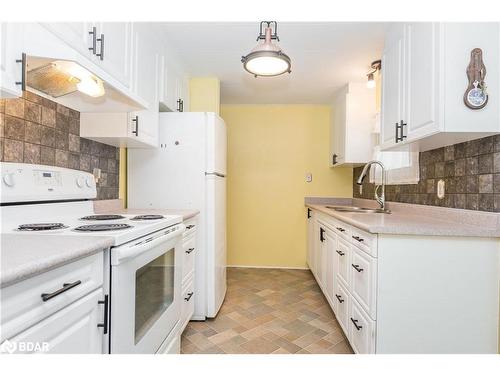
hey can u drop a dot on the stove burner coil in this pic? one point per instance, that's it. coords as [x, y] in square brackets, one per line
[148, 217]
[103, 217]
[41, 226]
[102, 227]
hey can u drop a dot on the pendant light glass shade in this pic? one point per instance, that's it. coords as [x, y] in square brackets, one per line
[267, 59]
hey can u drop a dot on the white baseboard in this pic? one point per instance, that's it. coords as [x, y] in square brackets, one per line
[268, 267]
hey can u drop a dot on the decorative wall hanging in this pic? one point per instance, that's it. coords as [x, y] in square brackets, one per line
[475, 96]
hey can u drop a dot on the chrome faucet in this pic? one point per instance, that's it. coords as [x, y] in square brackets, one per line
[379, 198]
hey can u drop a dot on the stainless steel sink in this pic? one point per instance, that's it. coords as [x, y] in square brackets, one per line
[359, 209]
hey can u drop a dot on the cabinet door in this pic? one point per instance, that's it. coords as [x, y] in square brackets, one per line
[72, 330]
[422, 79]
[75, 34]
[11, 49]
[342, 300]
[337, 130]
[342, 260]
[330, 246]
[310, 238]
[145, 84]
[363, 280]
[361, 329]
[392, 84]
[117, 49]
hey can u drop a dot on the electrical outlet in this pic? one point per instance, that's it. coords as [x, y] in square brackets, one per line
[309, 177]
[441, 189]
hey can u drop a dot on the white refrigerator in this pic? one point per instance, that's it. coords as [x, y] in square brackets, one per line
[188, 171]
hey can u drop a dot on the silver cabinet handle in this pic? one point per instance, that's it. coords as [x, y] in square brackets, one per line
[355, 322]
[22, 82]
[357, 238]
[357, 267]
[101, 51]
[93, 32]
[136, 131]
[66, 287]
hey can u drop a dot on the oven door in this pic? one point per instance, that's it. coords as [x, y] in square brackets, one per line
[145, 291]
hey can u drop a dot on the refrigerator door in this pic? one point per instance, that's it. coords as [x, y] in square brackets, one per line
[216, 243]
[216, 144]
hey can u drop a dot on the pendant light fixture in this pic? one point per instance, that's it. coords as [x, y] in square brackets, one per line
[376, 65]
[267, 59]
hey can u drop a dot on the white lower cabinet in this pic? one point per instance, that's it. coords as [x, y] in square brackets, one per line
[342, 301]
[72, 330]
[361, 331]
[405, 294]
[363, 281]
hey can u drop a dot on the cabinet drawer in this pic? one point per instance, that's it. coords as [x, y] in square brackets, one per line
[72, 330]
[191, 225]
[343, 230]
[364, 240]
[342, 301]
[342, 260]
[22, 303]
[188, 254]
[363, 279]
[361, 330]
[187, 301]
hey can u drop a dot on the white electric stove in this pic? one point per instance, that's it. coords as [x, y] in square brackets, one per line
[143, 268]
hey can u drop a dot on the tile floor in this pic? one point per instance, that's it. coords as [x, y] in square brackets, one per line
[268, 311]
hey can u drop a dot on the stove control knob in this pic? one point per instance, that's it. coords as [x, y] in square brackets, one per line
[90, 181]
[9, 179]
[80, 181]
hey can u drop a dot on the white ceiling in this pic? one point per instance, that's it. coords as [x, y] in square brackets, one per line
[324, 56]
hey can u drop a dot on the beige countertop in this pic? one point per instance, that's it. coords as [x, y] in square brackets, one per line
[115, 206]
[23, 256]
[408, 219]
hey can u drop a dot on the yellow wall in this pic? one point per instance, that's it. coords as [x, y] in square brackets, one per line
[270, 150]
[204, 94]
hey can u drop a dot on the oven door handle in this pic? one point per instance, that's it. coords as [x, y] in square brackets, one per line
[122, 254]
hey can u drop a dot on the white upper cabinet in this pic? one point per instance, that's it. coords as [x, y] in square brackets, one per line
[424, 80]
[10, 52]
[78, 35]
[392, 84]
[113, 49]
[173, 90]
[352, 125]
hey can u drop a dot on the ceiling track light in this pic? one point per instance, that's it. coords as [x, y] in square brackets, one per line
[267, 59]
[375, 66]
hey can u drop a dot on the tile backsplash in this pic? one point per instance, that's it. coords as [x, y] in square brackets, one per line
[36, 130]
[471, 171]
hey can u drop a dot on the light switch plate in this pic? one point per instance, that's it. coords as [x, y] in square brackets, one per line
[309, 177]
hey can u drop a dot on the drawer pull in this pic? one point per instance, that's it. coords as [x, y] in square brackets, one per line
[340, 253]
[66, 287]
[342, 230]
[189, 295]
[339, 297]
[357, 267]
[190, 250]
[359, 239]
[355, 321]
[190, 226]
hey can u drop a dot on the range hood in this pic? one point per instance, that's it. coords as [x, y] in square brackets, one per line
[60, 77]
[79, 85]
